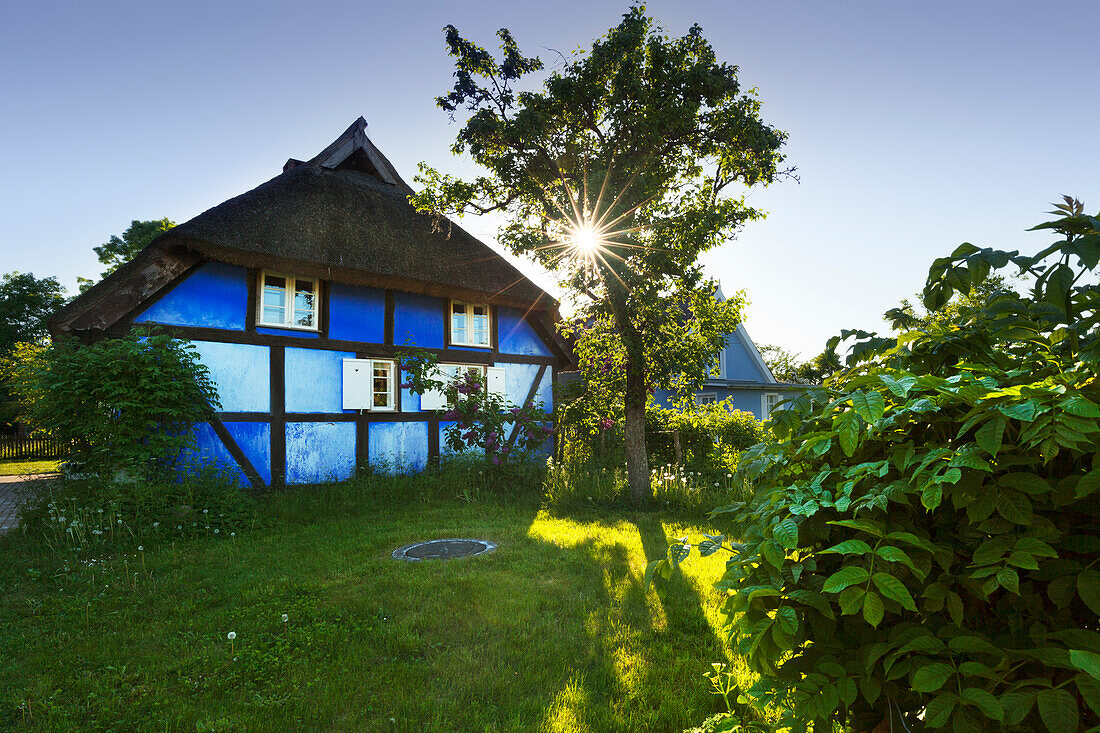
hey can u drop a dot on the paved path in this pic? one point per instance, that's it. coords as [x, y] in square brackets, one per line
[13, 489]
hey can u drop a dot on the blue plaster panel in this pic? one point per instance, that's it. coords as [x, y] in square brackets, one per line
[288, 332]
[241, 373]
[739, 364]
[210, 451]
[254, 440]
[398, 447]
[418, 319]
[517, 383]
[516, 335]
[410, 401]
[319, 451]
[444, 450]
[358, 314]
[314, 380]
[213, 296]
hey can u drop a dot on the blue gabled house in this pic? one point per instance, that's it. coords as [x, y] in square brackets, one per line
[297, 296]
[740, 376]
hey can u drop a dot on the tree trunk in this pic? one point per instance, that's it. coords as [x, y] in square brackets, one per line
[637, 464]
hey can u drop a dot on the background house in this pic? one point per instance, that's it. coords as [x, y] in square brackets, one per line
[739, 375]
[297, 295]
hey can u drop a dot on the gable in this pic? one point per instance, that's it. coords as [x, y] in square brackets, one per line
[743, 362]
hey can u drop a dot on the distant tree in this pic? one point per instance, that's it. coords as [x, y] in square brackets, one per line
[117, 251]
[909, 316]
[617, 174]
[786, 367]
[26, 304]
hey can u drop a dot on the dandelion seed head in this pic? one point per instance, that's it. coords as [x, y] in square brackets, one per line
[231, 635]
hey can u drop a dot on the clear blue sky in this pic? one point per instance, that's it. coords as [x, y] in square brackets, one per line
[914, 126]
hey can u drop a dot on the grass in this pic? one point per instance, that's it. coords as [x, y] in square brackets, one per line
[16, 468]
[554, 631]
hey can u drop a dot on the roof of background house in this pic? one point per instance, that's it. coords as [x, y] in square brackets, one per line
[342, 215]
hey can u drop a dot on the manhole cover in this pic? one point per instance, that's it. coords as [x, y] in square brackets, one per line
[443, 549]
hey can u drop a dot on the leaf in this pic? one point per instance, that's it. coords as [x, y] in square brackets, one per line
[1009, 580]
[1076, 404]
[931, 495]
[1017, 705]
[815, 601]
[932, 677]
[1090, 691]
[787, 533]
[849, 547]
[938, 711]
[990, 435]
[900, 387]
[974, 644]
[846, 425]
[846, 576]
[894, 589]
[1058, 709]
[788, 620]
[1015, 507]
[896, 554]
[984, 701]
[1024, 411]
[863, 525]
[868, 405]
[1088, 587]
[1089, 483]
[873, 609]
[1087, 662]
[708, 547]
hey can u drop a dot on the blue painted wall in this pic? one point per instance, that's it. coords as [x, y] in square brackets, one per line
[297, 332]
[516, 335]
[209, 451]
[400, 447]
[359, 314]
[315, 380]
[739, 364]
[254, 440]
[517, 382]
[418, 318]
[319, 451]
[241, 373]
[213, 296]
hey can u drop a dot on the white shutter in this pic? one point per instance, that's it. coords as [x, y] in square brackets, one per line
[357, 384]
[495, 383]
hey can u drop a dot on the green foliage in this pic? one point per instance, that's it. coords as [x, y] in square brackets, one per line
[925, 531]
[124, 404]
[709, 434]
[26, 304]
[117, 251]
[625, 166]
[786, 367]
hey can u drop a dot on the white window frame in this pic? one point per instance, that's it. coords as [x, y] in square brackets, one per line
[288, 313]
[436, 396]
[766, 409]
[469, 312]
[706, 398]
[392, 386]
[719, 366]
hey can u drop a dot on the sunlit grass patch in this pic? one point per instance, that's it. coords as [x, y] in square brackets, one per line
[554, 631]
[19, 468]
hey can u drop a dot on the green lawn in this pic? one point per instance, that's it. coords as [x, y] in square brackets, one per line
[15, 468]
[552, 632]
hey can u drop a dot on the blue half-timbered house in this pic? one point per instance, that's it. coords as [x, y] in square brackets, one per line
[297, 295]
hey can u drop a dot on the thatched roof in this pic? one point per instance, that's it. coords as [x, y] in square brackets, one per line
[344, 215]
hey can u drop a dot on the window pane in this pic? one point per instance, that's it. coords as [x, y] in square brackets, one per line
[272, 314]
[481, 330]
[381, 384]
[458, 327]
[274, 281]
[457, 307]
[480, 310]
[273, 300]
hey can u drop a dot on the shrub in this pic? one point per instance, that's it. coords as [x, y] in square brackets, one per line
[124, 404]
[923, 546]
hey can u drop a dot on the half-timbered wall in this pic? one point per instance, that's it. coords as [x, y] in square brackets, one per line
[281, 418]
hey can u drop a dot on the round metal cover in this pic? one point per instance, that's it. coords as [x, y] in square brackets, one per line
[443, 549]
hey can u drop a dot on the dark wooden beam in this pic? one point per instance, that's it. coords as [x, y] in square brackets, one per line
[534, 389]
[278, 416]
[387, 333]
[253, 276]
[230, 444]
[381, 351]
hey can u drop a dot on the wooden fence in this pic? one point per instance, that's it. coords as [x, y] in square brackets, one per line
[13, 447]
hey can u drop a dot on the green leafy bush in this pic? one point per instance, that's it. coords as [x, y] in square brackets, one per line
[125, 405]
[924, 544]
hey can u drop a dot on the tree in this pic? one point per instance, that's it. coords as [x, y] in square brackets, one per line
[117, 251]
[616, 174]
[909, 316]
[26, 304]
[786, 367]
[922, 549]
[124, 404]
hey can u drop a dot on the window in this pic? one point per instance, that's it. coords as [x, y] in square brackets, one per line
[706, 398]
[369, 385]
[434, 399]
[469, 324]
[287, 301]
[768, 403]
[718, 368]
